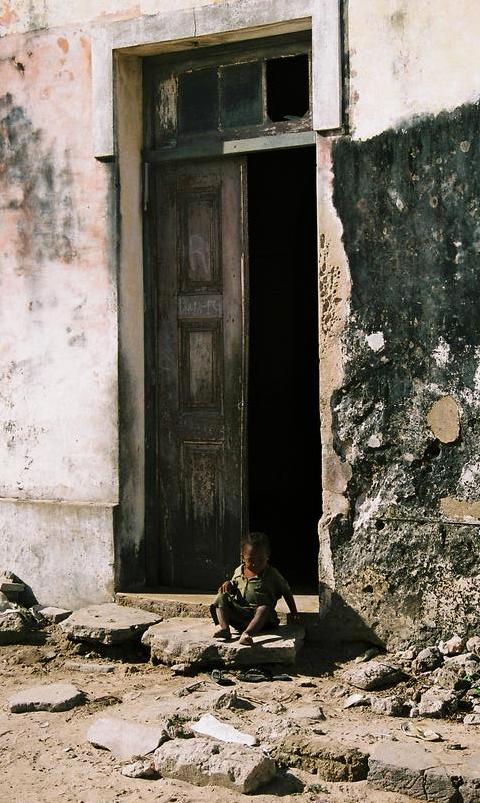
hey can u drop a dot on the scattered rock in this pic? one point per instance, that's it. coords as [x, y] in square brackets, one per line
[14, 625]
[108, 623]
[355, 700]
[472, 719]
[414, 771]
[50, 697]
[140, 769]
[388, 706]
[180, 669]
[367, 656]
[373, 675]
[473, 645]
[453, 646]
[209, 725]
[89, 666]
[52, 614]
[428, 659]
[204, 763]
[311, 711]
[273, 708]
[330, 761]
[190, 641]
[125, 739]
[451, 676]
[231, 700]
[436, 702]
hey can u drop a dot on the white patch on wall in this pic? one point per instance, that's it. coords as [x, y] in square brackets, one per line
[476, 379]
[441, 354]
[470, 478]
[376, 341]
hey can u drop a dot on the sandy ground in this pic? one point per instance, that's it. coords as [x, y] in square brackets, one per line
[45, 758]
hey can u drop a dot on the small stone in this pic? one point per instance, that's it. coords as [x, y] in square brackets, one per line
[52, 614]
[454, 646]
[473, 645]
[89, 666]
[273, 708]
[372, 652]
[388, 706]
[209, 725]
[307, 711]
[373, 675]
[472, 719]
[356, 700]
[14, 626]
[139, 769]
[205, 763]
[428, 659]
[437, 703]
[108, 623]
[330, 761]
[125, 739]
[231, 700]
[180, 669]
[50, 697]
[451, 676]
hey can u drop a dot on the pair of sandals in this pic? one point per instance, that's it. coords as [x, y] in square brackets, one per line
[225, 635]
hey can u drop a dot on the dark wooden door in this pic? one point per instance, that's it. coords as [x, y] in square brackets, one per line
[199, 261]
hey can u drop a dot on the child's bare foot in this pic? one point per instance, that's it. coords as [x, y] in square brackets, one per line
[223, 633]
[246, 639]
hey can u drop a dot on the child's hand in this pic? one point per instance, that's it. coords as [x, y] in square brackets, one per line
[225, 588]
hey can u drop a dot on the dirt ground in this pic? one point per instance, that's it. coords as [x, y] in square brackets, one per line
[45, 758]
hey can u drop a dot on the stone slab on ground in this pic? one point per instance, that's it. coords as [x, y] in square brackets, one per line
[373, 675]
[330, 761]
[48, 697]
[89, 667]
[53, 614]
[190, 641]
[423, 774]
[209, 725]
[108, 623]
[204, 763]
[126, 739]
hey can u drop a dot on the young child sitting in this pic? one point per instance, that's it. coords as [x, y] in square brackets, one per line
[248, 600]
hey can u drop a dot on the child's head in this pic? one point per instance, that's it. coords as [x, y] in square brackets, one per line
[255, 551]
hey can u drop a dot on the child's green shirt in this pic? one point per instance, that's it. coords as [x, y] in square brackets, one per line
[266, 589]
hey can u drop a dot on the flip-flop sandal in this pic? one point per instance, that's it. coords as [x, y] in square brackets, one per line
[254, 676]
[218, 676]
[409, 729]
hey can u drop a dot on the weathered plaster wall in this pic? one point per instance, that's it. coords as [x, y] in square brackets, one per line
[58, 353]
[409, 58]
[405, 419]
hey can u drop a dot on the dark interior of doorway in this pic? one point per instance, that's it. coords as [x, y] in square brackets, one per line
[283, 395]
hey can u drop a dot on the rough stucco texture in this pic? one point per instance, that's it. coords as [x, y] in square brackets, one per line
[57, 309]
[407, 416]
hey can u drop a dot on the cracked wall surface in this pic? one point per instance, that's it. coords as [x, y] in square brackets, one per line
[405, 419]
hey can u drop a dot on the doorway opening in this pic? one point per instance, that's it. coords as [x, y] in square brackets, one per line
[284, 457]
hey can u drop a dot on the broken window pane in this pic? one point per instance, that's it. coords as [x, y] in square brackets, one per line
[288, 88]
[241, 86]
[198, 101]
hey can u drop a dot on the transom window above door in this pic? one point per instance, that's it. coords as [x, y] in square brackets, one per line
[230, 93]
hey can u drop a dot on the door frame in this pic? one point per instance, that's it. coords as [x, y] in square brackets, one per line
[266, 18]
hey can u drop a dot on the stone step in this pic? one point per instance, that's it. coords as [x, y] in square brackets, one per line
[169, 603]
[190, 641]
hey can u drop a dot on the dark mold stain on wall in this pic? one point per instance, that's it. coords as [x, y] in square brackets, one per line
[33, 182]
[409, 202]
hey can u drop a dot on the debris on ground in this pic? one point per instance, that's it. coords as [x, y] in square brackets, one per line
[50, 697]
[373, 675]
[208, 725]
[108, 623]
[125, 739]
[204, 762]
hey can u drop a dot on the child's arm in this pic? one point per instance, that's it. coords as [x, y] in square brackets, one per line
[291, 604]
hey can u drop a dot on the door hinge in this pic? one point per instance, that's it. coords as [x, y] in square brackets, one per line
[146, 186]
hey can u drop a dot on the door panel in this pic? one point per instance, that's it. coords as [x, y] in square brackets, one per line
[200, 377]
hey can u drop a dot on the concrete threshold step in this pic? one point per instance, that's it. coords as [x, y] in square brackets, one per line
[173, 602]
[182, 602]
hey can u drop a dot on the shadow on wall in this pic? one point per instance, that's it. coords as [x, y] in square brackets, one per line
[340, 623]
